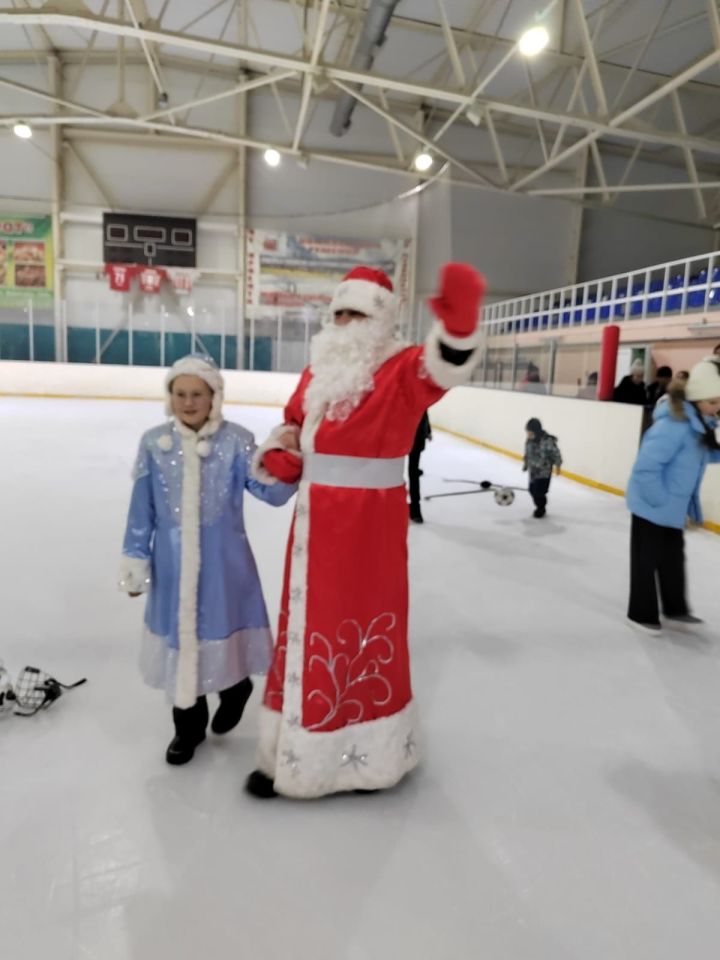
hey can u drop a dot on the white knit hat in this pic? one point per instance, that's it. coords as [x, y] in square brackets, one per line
[704, 382]
[195, 365]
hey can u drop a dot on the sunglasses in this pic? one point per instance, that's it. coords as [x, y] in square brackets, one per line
[33, 691]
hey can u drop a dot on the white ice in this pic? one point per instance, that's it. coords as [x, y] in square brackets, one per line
[568, 807]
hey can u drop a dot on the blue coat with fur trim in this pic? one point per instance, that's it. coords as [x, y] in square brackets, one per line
[206, 626]
[666, 479]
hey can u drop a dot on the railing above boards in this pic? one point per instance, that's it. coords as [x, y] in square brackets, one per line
[683, 286]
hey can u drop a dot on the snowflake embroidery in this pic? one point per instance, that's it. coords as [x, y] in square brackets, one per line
[292, 760]
[354, 670]
[354, 759]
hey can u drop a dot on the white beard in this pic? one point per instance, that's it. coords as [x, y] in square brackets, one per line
[343, 361]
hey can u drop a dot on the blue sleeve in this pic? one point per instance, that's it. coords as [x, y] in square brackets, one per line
[660, 445]
[140, 526]
[276, 494]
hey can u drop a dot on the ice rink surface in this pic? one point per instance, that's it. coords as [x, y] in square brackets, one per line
[568, 807]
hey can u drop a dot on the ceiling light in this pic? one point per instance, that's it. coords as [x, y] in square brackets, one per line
[23, 131]
[272, 158]
[533, 41]
[423, 161]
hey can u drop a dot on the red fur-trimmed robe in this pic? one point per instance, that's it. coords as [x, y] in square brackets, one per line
[338, 711]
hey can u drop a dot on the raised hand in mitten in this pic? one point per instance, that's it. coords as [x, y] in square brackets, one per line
[284, 466]
[458, 302]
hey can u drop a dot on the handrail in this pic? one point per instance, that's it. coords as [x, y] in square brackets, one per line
[675, 287]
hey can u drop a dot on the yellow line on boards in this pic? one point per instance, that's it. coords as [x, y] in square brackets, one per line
[81, 396]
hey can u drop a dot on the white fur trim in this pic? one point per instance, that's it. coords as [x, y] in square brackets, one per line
[134, 575]
[448, 375]
[187, 663]
[257, 470]
[361, 756]
[366, 297]
[187, 667]
[459, 343]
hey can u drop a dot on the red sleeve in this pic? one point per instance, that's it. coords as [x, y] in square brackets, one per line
[294, 412]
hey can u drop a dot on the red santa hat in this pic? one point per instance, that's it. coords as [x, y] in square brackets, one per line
[195, 365]
[368, 291]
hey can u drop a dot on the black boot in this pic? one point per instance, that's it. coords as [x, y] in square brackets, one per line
[260, 785]
[415, 514]
[232, 704]
[190, 728]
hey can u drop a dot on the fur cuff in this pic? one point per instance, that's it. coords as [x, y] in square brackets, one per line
[134, 575]
[257, 470]
[446, 374]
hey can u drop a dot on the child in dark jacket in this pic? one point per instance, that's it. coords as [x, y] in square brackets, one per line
[541, 455]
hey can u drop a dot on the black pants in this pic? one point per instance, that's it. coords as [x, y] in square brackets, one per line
[539, 487]
[657, 556]
[414, 474]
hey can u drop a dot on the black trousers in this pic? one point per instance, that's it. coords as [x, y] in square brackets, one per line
[657, 557]
[414, 474]
[539, 488]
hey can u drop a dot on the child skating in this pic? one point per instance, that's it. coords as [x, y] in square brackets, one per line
[542, 454]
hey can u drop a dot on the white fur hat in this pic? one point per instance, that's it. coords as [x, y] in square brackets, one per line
[704, 382]
[195, 365]
[368, 291]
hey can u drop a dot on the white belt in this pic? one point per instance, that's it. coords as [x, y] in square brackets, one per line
[368, 473]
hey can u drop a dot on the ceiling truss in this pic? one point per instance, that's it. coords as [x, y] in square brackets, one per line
[418, 114]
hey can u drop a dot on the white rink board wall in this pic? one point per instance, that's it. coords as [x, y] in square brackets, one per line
[140, 383]
[599, 441]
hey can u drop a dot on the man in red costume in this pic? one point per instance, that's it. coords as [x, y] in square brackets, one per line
[338, 712]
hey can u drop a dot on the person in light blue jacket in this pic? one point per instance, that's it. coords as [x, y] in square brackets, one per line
[206, 626]
[664, 491]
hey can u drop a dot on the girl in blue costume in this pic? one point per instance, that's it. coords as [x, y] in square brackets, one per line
[664, 490]
[206, 626]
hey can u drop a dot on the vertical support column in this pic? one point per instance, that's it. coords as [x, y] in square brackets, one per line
[31, 330]
[514, 371]
[55, 84]
[577, 215]
[551, 367]
[241, 266]
[608, 361]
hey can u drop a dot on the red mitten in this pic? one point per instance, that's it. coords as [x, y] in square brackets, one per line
[285, 467]
[459, 300]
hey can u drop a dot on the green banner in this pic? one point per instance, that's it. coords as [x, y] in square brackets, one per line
[26, 261]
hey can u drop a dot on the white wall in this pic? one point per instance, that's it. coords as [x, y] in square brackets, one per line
[146, 383]
[599, 441]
